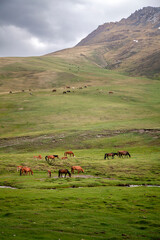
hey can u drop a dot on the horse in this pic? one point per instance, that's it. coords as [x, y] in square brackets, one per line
[63, 158]
[49, 157]
[49, 173]
[69, 153]
[19, 168]
[109, 155]
[55, 155]
[38, 157]
[26, 170]
[63, 171]
[123, 153]
[78, 168]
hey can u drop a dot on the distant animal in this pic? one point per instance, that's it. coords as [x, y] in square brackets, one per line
[22, 90]
[63, 171]
[70, 153]
[109, 155]
[19, 167]
[26, 170]
[63, 158]
[78, 168]
[123, 153]
[54, 90]
[64, 92]
[49, 157]
[49, 173]
[110, 92]
[10, 92]
[55, 155]
[67, 87]
[38, 157]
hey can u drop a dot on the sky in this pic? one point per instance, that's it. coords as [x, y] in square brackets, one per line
[38, 27]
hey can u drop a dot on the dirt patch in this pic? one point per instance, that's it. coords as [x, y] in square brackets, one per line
[17, 141]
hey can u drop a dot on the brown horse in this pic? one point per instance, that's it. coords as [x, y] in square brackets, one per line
[63, 158]
[109, 155]
[78, 168]
[26, 170]
[123, 153]
[63, 171]
[70, 153]
[49, 157]
[38, 157]
[49, 173]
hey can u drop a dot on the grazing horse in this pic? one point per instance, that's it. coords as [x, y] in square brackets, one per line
[56, 156]
[109, 155]
[123, 153]
[63, 171]
[38, 157]
[26, 170]
[78, 168]
[49, 157]
[19, 168]
[70, 153]
[49, 173]
[64, 158]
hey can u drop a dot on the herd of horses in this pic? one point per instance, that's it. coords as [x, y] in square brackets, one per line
[120, 154]
[26, 170]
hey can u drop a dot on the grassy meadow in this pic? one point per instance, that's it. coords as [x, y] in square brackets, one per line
[101, 202]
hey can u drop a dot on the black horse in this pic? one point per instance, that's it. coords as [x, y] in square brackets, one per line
[63, 171]
[123, 153]
[109, 155]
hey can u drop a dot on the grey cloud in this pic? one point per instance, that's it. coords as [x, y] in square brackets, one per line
[36, 27]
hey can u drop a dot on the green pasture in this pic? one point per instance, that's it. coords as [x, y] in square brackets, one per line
[81, 213]
[96, 204]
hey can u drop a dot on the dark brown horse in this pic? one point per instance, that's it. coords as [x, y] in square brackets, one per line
[78, 168]
[70, 153]
[63, 171]
[109, 155]
[123, 153]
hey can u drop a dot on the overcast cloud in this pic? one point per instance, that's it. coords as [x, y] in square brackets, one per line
[38, 27]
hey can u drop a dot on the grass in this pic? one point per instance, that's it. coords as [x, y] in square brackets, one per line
[117, 213]
[91, 122]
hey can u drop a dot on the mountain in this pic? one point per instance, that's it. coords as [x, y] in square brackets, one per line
[131, 45]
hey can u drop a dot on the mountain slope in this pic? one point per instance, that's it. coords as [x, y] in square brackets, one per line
[132, 45]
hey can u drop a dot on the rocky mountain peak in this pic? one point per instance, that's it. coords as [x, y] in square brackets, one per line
[145, 15]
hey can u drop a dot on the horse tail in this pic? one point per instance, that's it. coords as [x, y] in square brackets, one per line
[72, 170]
[20, 171]
[105, 156]
[46, 158]
[59, 173]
